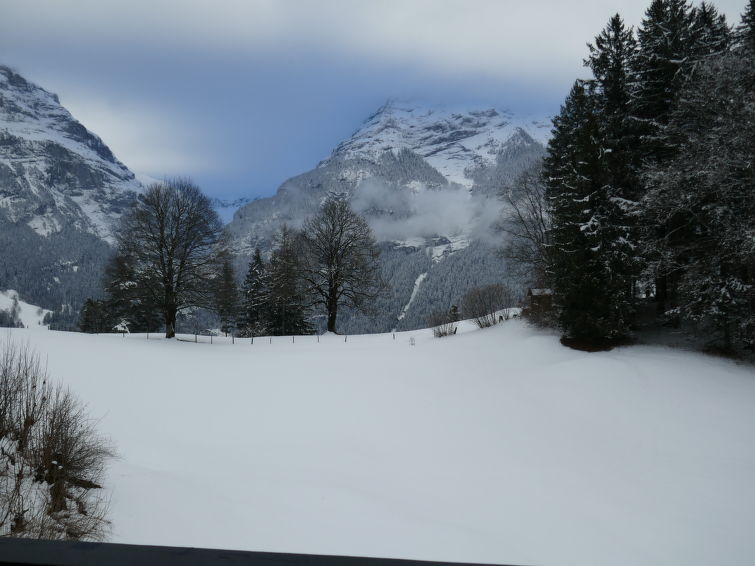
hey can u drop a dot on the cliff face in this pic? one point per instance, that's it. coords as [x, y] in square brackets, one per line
[54, 173]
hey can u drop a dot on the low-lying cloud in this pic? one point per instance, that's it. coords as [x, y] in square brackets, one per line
[400, 213]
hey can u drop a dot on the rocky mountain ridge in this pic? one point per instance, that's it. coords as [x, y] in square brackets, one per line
[455, 142]
[53, 171]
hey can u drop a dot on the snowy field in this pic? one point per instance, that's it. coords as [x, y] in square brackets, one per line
[496, 446]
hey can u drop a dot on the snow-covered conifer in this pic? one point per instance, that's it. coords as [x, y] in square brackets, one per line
[255, 297]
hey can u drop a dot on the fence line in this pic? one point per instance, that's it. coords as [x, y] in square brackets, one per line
[232, 339]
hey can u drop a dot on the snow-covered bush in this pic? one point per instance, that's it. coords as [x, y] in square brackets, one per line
[443, 324]
[51, 457]
[482, 303]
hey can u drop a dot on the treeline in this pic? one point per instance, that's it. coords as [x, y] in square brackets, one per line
[273, 299]
[332, 261]
[171, 258]
[647, 192]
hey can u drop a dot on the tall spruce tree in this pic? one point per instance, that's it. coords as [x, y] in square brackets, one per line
[744, 35]
[672, 40]
[227, 296]
[584, 280]
[255, 297]
[288, 311]
[610, 62]
[659, 69]
[711, 34]
[703, 197]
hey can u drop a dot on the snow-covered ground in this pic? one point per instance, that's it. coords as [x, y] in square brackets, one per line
[496, 446]
[31, 316]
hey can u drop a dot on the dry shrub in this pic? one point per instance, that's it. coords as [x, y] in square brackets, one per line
[443, 324]
[51, 457]
[482, 303]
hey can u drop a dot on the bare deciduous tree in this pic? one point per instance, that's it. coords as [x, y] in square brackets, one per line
[340, 260]
[482, 304]
[51, 457]
[526, 223]
[168, 243]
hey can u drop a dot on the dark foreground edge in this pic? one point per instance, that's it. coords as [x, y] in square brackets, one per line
[60, 553]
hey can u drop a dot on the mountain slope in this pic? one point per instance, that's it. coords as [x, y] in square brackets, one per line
[427, 181]
[61, 193]
[53, 171]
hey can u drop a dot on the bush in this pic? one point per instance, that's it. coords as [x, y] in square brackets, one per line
[51, 458]
[483, 303]
[443, 324]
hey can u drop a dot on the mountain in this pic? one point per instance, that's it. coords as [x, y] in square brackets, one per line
[61, 192]
[458, 144]
[427, 180]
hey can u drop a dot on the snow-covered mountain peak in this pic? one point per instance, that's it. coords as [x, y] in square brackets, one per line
[35, 114]
[57, 172]
[453, 141]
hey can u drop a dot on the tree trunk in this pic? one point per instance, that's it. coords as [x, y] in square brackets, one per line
[661, 293]
[170, 322]
[332, 314]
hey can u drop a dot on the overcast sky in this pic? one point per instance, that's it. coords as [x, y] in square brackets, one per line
[242, 94]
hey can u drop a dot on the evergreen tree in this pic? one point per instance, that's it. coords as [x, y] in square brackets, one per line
[710, 34]
[95, 317]
[672, 40]
[745, 32]
[124, 302]
[582, 272]
[659, 69]
[255, 298]
[703, 198]
[288, 311]
[610, 61]
[227, 297]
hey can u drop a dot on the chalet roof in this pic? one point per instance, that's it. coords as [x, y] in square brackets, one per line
[539, 292]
